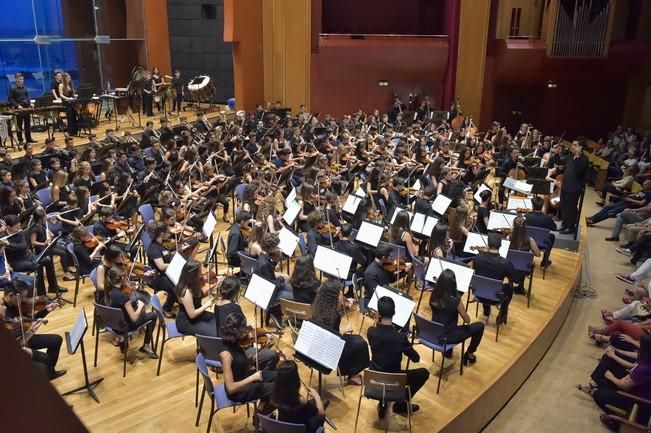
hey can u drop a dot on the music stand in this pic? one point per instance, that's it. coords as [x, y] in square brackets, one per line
[318, 348]
[75, 340]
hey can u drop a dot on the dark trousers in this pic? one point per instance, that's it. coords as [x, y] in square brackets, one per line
[416, 378]
[609, 188]
[610, 397]
[609, 211]
[607, 364]
[48, 359]
[474, 331]
[64, 256]
[24, 123]
[162, 282]
[569, 208]
[147, 101]
[176, 102]
[641, 248]
[28, 265]
[71, 118]
[149, 329]
[507, 294]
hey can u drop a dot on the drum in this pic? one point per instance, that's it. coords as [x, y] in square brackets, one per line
[5, 122]
[201, 88]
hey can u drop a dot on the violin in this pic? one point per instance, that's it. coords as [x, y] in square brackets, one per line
[327, 228]
[262, 334]
[396, 265]
[26, 323]
[40, 303]
[122, 225]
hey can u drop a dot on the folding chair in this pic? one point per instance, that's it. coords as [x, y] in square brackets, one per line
[295, 312]
[78, 275]
[146, 211]
[114, 322]
[169, 329]
[218, 398]
[210, 347]
[541, 236]
[247, 263]
[384, 387]
[487, 291]
[523, 262]
[44, 195]
[431, 334]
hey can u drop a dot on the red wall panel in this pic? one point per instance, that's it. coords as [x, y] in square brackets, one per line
[345, 72]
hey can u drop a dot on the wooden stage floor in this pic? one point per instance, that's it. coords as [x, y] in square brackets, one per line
[81, 141]
[143, 402]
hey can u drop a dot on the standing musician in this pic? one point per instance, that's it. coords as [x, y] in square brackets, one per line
[178, 91]
[67, 95]
[31, 343]
[19, 100]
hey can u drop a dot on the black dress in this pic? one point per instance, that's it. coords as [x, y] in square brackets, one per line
[448, 316]
[307, 414]
[203, 324]
[241, 368]
[354, 358]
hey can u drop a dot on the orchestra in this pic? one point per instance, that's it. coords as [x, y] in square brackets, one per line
[151, 196]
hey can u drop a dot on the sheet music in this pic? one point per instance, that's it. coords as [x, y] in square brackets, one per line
[319, 345]
[483, 187]
[260, 291]
[404, 305]
[293, 209]
[423, 224]
[398, 209]
[369, 233]
[209, 224]
[463, 273]
[351, 204]
[360, 192]
[332, 262]
[77, 332]
[500, 220]
[290, 197]
[175, 267]
[517, 185]
[288, 241]
[416, 185]
[519, 203]
[441, 204]
[481, 241]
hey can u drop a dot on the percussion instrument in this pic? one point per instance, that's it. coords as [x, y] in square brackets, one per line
[201, 88]
[4, 127]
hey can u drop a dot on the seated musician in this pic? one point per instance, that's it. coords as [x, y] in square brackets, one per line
[40, 237]
[400, 234]
[36, 177]
[538, 219]
[193, 318]
[490, 264]
[229, 292]
[292, 406]
[484, 211]
[375, 274]
[332, 209]
[9, 204]
[458, 230]
[314, 236]
[8, 275]
[87, 249]
[236, 242]
[159, 257]
[242, 382]
[112, 258]
[103, 227]
[388, 344]
[352, 249]
[306, 202]
[447, 305]
[117, 295]
[521, 241]
[268, 215]
[21, 260]
[266, 268]
[424, 203]
[327, 309]
[510, 164]
[33, 343]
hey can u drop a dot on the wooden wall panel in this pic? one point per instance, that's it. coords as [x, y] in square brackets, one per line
[287, 47]
[473, 33]
[157, 35]
[243, 26]
[529, 18]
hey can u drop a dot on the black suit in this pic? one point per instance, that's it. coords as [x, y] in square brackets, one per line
[573, 185]
[492, 265]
